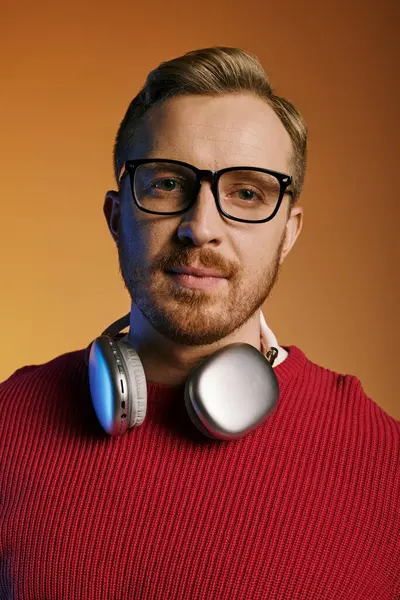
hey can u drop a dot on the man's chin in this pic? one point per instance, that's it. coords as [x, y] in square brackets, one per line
[186, 323]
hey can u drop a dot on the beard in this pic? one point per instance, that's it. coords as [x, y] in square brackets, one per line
[187, 316]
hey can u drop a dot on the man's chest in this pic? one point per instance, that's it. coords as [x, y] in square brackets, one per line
[169, 519]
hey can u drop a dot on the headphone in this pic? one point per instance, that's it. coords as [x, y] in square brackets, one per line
[227, 395]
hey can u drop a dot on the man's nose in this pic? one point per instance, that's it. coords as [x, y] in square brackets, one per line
[202, 222]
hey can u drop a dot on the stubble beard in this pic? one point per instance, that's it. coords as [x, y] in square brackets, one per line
[195, 317]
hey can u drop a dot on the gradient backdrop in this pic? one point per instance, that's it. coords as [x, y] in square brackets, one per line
[68, 73]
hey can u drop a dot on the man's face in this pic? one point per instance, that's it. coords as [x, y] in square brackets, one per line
[209, 133]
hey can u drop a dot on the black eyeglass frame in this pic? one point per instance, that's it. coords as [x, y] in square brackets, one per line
[201, 174]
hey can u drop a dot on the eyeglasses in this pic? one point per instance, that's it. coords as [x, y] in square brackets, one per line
[171, 187]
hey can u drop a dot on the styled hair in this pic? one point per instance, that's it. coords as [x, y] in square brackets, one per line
[210, 72]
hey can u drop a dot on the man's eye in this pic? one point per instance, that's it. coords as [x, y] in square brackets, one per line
[246, 194]
[167, 185]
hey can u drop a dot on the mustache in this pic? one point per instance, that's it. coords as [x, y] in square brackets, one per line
[188, 258]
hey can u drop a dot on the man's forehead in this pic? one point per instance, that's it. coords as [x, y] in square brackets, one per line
[226, 133]
[240, 127]
[236, 115]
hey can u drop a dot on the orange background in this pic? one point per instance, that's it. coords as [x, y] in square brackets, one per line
[68, 72]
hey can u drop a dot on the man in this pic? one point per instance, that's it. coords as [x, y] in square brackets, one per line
[209, 164]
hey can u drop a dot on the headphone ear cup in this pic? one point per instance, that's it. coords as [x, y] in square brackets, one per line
[136, 380]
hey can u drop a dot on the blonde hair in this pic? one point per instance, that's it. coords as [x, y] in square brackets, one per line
[209, 72]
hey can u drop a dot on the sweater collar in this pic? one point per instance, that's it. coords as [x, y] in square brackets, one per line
[286, 373]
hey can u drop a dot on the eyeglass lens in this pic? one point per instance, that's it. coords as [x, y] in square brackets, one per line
[167, 187]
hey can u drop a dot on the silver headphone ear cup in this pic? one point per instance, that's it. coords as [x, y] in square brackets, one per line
[136, 380]
[108, 385]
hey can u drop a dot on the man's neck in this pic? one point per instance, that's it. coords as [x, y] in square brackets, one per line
[170, 374]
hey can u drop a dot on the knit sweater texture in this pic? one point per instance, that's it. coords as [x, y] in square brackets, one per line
[304, 507]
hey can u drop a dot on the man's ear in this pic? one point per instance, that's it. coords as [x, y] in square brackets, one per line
[293, 228]
[112, 213]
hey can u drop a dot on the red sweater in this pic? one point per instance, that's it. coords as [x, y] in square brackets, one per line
[306, 506]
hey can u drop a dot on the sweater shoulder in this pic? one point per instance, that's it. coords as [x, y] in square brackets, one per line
[40, 377]
[349, 395]
[47, 399]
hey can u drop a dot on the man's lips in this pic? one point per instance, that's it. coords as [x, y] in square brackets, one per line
[196, 272]
[197, 279]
